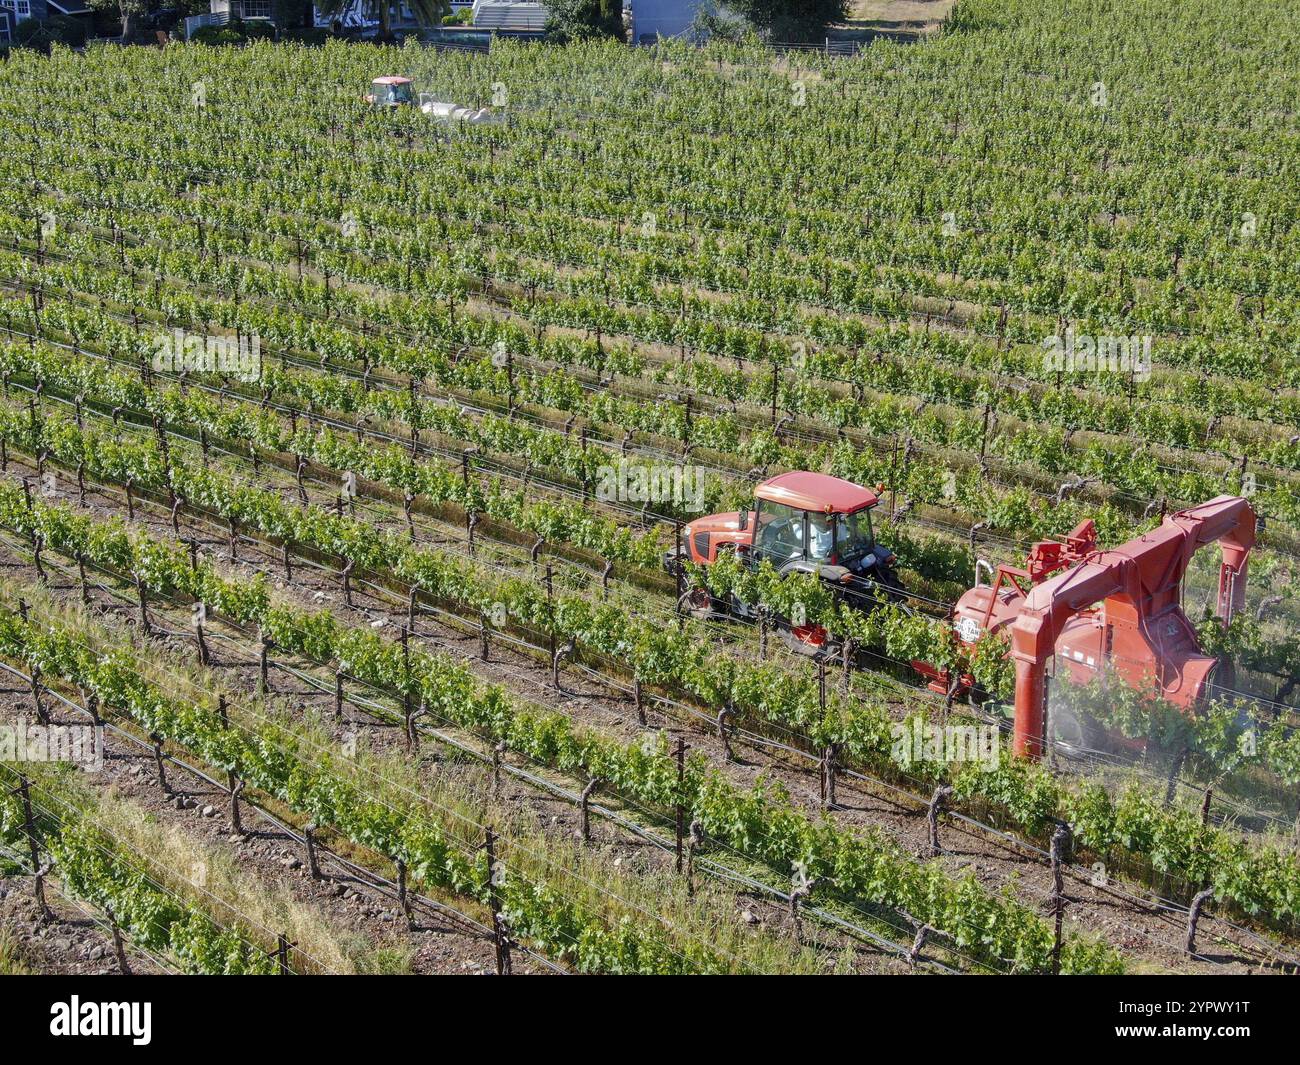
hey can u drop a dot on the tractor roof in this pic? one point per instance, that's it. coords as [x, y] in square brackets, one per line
[391, 81]
[816, 491]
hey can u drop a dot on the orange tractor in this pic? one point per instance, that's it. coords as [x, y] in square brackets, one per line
[1095, 612]
[1118, 610]
[801, 523]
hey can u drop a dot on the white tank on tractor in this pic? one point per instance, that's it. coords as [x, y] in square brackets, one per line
[443, 111]
[394, 92]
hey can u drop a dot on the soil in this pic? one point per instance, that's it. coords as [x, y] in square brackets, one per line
[1150, 934]
[901, 20]
[76, 942]
[199, 811]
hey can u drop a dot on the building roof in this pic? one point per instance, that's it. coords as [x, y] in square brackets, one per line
[816, 491]
[509, 16]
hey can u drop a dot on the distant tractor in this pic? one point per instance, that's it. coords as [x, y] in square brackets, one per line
[395, 92]
[801, 523]
[391, 92]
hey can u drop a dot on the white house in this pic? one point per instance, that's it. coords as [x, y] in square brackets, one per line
[243, 9]
[662, 18]
[488, 14]
[221, 12]
[13, 12]
[357, 15]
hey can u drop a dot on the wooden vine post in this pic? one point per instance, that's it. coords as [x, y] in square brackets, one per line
[724, 731]
[403, 895]
[234, 786]
[937, 800]
[263, 665]
[499, 931]
[550, 625]
[829, 763]
[119, 944]
[693, 841]
[584, 803]
[200, 612]
[42, 714]
[680, 754]
[29, 829]
[142, 597]
[1062, 838]
[309, 845]
[281, 953]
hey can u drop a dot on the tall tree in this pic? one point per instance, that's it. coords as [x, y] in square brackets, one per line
[126, 10]
[791, 20]
[576, 20]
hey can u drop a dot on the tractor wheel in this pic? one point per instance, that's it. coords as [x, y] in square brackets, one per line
[811, 641]
[698, 603]
[1073, 732]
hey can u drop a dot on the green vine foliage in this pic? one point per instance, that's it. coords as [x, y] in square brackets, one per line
[92, 868]
[863, 731]
[267, 759]
[763, 824]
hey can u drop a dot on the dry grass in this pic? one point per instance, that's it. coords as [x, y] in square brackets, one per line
[587, 876]
[899, 16]
[214, 879]
[12, 960]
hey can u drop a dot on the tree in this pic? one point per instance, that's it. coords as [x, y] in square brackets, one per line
[426, 12]
[292, 14]
[67, 30]
[126, 10]
[31, 33]
[791, 20]
[712, 24]
[578, 20]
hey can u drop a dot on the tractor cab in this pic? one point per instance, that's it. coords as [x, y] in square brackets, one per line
[811, 522]
[391, 92]
[801, 523]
